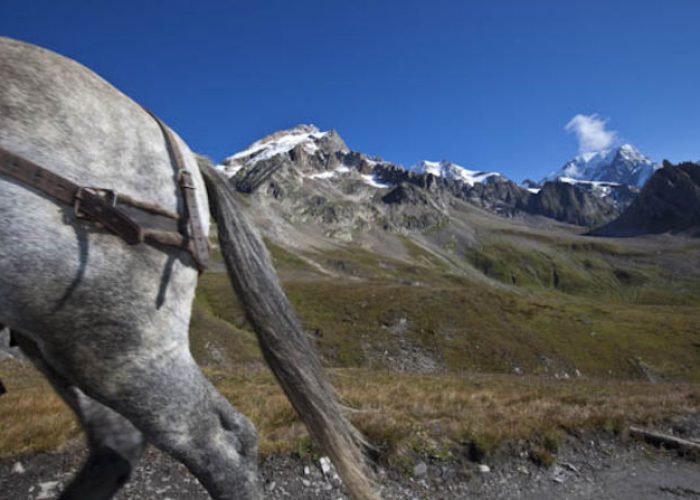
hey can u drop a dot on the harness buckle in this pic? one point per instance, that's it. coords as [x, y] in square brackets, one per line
[109, 196]
[100, 205]
[185, 179]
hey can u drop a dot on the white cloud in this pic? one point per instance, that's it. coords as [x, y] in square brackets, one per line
[590, 132]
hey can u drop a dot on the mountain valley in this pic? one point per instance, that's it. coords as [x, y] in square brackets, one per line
[433, 268]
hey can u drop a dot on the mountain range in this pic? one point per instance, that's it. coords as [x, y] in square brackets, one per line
[324, 179]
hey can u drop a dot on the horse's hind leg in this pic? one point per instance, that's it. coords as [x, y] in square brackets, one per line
[192, 422]
[115, 444]
[162, 391]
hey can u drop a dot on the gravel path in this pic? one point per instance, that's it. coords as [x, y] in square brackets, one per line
[584, 470]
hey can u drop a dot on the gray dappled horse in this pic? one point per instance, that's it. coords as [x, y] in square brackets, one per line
[107, 322]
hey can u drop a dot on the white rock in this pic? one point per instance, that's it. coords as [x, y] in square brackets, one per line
[558, 474]
[420, 469]
[326, 466]
[47, 490]
[18, 468]
[573, 468]
[483, 468]
[307, 470]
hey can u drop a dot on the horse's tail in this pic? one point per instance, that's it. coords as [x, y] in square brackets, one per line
[283, 342]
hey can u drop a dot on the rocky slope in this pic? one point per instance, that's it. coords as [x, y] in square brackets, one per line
[568, 202]
[669, 202]
[613, 195]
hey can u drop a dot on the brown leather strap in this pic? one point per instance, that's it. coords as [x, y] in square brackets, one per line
[87, 201]
[92, 205]
[196, 226]
[101, 204]
[38, 177]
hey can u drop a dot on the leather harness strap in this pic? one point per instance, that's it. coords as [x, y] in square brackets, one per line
[184, 177]
[132, 220]
[87, 201]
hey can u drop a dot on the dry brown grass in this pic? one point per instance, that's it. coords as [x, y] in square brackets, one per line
[32, 416]
[434, 415]
[402, 414]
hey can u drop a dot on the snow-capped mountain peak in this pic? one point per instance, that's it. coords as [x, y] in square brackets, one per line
[283, 141]
[629, 152]
[623, 164]
[451, 170]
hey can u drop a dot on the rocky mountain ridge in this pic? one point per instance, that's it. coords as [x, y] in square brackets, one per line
[312, 175]
[447, 169]
[668, 202]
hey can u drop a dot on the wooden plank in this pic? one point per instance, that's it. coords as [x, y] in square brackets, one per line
[666, 440]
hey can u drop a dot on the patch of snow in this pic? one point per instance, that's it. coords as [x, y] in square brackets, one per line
[323, 175]
[372, 181]
[229, 170]
[328, 174]
[428, 167]
[270, 146]
[631, 153]
[451, 170]
[534, 190]
[310, 147]
[273, 145]
[570, 180]
[598, 188]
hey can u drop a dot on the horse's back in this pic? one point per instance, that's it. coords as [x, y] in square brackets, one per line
[55, 268]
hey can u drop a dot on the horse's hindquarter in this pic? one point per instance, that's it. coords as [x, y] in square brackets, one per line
[63, 278]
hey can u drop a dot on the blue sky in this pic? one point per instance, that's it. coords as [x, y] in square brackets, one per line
[487, 84]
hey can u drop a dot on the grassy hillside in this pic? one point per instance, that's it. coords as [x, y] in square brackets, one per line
[536, 303]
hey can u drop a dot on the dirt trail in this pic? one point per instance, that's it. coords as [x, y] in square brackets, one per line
[584, 470]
